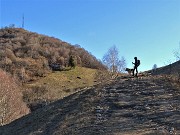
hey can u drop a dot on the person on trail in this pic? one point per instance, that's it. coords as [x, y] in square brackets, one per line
[136, 64]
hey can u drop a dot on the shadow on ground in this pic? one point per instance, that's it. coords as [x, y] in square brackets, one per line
[145, 106]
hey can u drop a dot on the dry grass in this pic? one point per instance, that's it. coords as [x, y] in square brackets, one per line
[58, 85]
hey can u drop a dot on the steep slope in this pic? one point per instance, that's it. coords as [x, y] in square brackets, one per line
[143, 106]
[29, 55]
[11, 103]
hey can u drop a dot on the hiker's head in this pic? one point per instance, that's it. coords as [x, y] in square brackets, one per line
[135, 58]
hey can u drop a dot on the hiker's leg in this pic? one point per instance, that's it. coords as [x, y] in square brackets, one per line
[133, 71]
[136, 71]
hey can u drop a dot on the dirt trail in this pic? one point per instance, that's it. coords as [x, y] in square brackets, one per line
[143, 106]
[140, 106]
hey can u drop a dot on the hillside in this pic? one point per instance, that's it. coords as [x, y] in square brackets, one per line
[60, 84]
[41, 65]
[171, 69]
[125, 106]
[28, 55]
[11, 100]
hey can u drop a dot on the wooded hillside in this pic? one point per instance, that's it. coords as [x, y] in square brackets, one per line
[28, 55]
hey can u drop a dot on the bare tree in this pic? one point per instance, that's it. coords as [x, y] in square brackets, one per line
[122, 64]
[177, 53]
[154, 67]
[112, 61]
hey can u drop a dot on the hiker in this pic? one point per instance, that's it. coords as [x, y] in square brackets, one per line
[136, 64]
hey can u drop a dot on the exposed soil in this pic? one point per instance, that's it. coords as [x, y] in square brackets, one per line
[125, 106]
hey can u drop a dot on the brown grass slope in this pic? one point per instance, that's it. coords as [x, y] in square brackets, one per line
[171, 69]
[27, 55]
[60, 84]
[11, 103]
[146, 106]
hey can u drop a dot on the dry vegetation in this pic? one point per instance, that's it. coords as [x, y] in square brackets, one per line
[171, 69]
[28, 55]
[11, 103]
[170, 73]
[58, 85]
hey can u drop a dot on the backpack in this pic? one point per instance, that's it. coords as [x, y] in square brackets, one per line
[138, 62]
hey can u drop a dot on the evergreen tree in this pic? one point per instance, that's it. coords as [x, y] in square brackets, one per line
[72, 62]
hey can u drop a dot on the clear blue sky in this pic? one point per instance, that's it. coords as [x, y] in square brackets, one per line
[148, 29]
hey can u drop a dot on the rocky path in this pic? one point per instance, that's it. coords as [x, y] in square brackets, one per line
[131, 106]
[139, 106]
